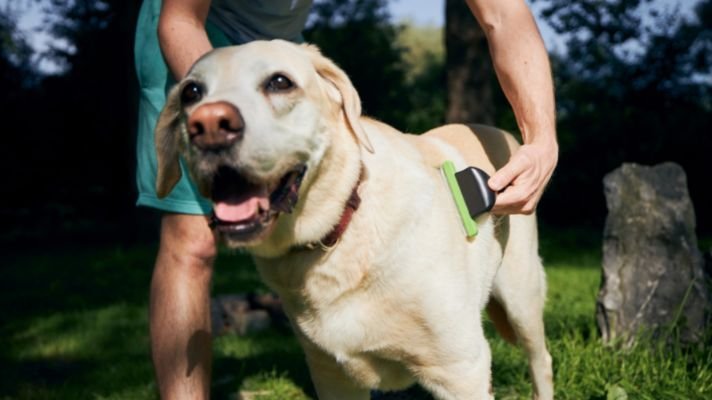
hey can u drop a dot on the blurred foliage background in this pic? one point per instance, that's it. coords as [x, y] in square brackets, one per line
[633, 84]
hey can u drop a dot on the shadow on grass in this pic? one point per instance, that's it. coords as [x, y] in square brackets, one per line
[36, 284]
[230, 373]
[61, 377]
[75, 321]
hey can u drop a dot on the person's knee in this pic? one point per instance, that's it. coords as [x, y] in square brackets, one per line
[187, 242]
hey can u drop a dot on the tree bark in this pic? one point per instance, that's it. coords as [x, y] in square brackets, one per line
[469, 67]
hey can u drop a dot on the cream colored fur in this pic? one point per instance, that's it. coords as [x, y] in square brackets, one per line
[399, 298]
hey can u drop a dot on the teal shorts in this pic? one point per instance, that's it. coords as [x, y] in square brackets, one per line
[154, 81]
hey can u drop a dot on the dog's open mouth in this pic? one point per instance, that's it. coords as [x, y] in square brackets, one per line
[243, 209]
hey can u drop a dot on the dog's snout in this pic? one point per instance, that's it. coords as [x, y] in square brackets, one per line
[215, 126]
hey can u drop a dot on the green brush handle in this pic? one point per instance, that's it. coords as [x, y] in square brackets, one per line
[469, 224]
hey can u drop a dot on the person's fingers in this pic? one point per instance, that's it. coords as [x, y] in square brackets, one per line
[507, 174]
[518, 207]
[512, 200]
[520, 193]
[521, 181]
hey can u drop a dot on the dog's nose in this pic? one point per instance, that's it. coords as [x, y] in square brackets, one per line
[215, 126]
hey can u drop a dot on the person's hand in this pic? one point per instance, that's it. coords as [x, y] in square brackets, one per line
[521, 182]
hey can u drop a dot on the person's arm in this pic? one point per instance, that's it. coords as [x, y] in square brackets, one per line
[522, 66]
[181, 33]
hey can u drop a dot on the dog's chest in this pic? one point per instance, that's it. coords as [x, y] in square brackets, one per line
[376, 372]
[341, 328]
[351, 334]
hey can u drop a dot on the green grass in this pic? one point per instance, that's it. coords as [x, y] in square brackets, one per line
[74, 326]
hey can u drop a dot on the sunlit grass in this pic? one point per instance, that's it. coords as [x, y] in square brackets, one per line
[75, 327]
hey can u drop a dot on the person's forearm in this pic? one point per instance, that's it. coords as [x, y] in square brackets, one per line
[522, 65]
[181, 33]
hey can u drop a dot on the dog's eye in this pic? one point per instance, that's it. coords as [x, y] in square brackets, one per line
[279, 83]
[191, 93]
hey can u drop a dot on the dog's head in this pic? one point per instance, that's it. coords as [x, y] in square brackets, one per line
[250, 121]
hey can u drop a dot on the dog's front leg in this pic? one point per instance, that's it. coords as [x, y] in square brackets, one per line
[457, 372]
[334, 385]
[329, 378]
[463, 380]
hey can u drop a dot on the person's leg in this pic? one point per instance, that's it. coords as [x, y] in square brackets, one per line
[180, 289]
[180, 307]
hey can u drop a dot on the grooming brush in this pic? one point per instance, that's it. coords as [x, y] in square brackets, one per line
[471, 194]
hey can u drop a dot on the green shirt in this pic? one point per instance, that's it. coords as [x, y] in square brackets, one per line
[245, 20]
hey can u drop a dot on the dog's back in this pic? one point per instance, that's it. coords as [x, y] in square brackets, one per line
[482, 146]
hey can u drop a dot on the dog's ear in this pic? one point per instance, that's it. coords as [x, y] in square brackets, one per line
[167, 140]
[350, 101]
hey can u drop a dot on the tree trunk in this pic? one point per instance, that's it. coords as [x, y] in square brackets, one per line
[469, 67]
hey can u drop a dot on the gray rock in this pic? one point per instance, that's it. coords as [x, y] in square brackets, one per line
[653, 272]
[233, 314]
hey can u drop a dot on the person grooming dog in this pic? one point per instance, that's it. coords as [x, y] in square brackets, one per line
[172, 34]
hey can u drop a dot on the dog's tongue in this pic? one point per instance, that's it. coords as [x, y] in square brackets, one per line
[241, 208]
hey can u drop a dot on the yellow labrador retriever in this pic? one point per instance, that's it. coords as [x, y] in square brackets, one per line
[351, 223]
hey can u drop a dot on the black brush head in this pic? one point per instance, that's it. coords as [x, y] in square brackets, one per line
[479, 198]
